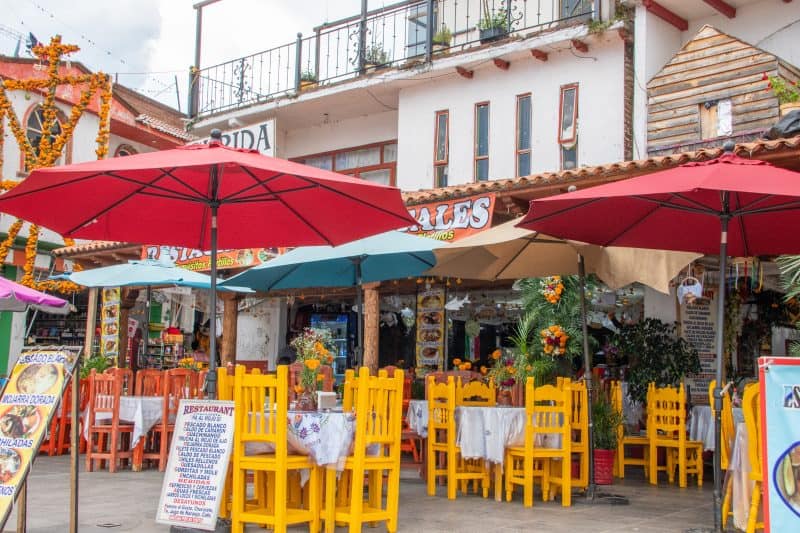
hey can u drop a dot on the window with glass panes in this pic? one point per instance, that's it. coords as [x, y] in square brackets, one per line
[568, 126]
[482, 141]
[374, 162]
[441, 148]
[523, 152]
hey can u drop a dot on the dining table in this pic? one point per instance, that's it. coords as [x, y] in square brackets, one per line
[739, 475]
[701, 424]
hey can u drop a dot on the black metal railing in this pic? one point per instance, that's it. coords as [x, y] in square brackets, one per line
[401, 34]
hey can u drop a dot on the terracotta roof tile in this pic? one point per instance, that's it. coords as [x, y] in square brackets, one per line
[92, 247]
[163, 127]
[618, 170]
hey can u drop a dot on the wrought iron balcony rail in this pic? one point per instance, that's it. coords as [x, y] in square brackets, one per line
[397, 35]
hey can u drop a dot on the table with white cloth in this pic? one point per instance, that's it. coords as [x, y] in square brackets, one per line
[739, 475]
[701, 424]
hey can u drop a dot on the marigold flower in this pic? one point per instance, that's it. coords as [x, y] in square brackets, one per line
[456, 362]
[311, 364]
[299, 389]
[496, 354]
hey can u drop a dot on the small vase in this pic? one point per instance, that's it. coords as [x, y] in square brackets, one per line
[306, 401]
[504, 398]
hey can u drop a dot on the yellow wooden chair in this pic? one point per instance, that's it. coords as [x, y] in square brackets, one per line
[631, 441]
[442, 444]
[476, 393]
[547, 414]
[752, 418]
[261, 418]
[376, 449]
[728, 433]
[666, 428]
[579, 422]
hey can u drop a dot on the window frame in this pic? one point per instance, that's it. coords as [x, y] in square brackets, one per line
[475, 156]
[383, 165]
[564, 89]
[438, 163]
[124, 147]
[66, 152]
[517, 150]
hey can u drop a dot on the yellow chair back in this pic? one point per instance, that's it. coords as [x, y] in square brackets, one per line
[262, 403]
[476, 393]
[667, 412]
[752, 418]
[348, 395]
[381, 397]
[548, 410]
[441, 405]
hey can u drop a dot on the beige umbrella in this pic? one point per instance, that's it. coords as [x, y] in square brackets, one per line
[509, 252]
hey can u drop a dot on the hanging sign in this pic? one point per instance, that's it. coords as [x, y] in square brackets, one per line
[199, 260]
[451, 220]
[26, 409]
[259, 137]
[197, 464]
[109, 322]
[698, 327]
[779, 379]
[430, 328]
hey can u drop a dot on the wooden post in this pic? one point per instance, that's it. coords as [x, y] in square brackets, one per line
[371, 325]
[91, 320]
[230, 319]
[127, 301]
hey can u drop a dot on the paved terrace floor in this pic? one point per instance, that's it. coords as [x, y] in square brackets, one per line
[126, 502]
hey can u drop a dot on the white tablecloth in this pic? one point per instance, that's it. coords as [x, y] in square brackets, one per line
[141, 411]
[739, 473]
[325, 436]
[483, 432]
[701, 424]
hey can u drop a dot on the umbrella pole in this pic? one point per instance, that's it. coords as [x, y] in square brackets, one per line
[587, 374]
[211, 379]
[359, 306]
[723, 260]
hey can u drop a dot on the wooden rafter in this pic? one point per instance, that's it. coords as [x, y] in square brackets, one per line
[502, 64]
[464, 73]
[538, 54]
[580, 46]
[723, 7]
[666, 15]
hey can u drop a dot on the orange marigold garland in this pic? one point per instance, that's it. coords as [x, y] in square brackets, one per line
[554, 340]
[551, 288]
[5, 246]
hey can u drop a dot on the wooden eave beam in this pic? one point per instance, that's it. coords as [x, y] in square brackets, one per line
[464, 73]
[723, 7]
[666, 15]
[538, 54]
[625, 35]
[580, 46]
[502, 64]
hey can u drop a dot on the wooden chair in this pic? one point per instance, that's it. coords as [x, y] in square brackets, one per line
[442, 441]
[475, 393]
[547, 413]
[148, 382]
[441, 377]
[127, 378]
[261, 414]
[666, 428]
[105, 391]
[728, 433]
[381, 398]
[579, 423]
[641, 442]
[61, 425]
[752, 419]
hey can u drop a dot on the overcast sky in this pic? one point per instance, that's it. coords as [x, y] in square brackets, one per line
[148, 42]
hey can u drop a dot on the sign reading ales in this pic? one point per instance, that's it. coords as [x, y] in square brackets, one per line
[451, 220]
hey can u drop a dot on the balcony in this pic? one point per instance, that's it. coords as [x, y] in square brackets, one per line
[400, 35]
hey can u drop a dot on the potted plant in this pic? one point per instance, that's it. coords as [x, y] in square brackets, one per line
[787, 93]
[441, 41]
[308, 80]
[605, 433]
[375, 56]
[493, 24]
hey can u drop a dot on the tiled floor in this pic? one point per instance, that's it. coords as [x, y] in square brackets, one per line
[126, 502]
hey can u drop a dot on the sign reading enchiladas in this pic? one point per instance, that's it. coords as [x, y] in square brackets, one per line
[26, 407]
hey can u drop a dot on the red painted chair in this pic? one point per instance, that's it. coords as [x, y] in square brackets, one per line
[105, 391]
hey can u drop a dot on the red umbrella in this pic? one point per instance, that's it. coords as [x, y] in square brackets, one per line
[728, 205]
[181, 196]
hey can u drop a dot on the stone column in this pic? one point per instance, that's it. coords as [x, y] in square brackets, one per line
[371, 325]
[230, 318]
[127, 301]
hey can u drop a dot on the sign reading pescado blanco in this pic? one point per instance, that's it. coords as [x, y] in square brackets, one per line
[259, 137]
[198, 462]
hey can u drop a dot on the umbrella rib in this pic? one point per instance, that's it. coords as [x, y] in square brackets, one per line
[670, 205]
[259, 182]
[742, 233]
[265, 197]
[287, 206]
[182, 182]
[113, 204]
[786, 206]
[528, 242]
[610, 242]
[421, 259]
[173, 197]
[151, 184]
[56, 185]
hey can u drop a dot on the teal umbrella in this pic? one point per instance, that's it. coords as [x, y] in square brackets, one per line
[145, 273]
[390, 255]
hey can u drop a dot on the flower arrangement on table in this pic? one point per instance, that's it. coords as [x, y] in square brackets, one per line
[188, 362]
[504, 370]
[313, 348]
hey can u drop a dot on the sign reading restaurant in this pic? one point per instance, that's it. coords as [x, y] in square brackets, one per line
[451, 220]
[259, 137]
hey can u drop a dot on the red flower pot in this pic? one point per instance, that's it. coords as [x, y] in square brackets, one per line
[604, 466]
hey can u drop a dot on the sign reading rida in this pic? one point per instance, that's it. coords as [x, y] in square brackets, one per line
[259, 137]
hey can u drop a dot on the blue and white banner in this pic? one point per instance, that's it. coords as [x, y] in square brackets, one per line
[780, 410]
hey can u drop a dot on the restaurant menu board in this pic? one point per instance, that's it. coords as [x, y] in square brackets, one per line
[109, 322]
[430, 328]
[779, 379]
[28, 403]
[197, 464]
[699, 324]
